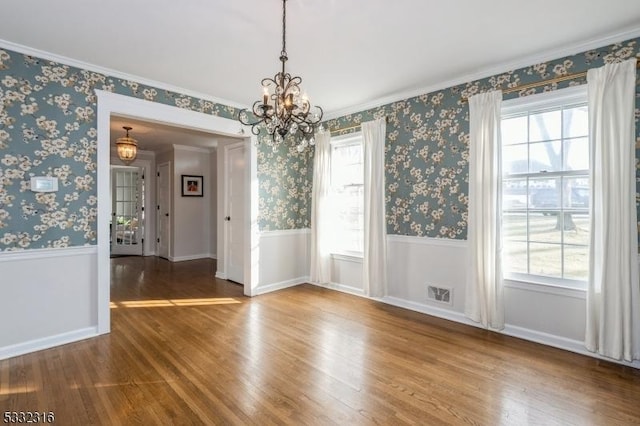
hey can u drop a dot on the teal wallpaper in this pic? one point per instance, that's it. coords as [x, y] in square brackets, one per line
[48, 128]
[428, 137]
[285, 177]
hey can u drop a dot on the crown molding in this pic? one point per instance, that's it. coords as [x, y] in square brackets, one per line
[568, 50]
[26, 50]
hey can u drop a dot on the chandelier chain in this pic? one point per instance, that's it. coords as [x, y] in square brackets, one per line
[284, 28]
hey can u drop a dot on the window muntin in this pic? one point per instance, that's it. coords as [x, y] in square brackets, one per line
[347, 195]
[545, 191]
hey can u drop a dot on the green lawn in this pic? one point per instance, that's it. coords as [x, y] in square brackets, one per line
[545, 241]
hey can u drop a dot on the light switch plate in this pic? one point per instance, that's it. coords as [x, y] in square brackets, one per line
[44, 184]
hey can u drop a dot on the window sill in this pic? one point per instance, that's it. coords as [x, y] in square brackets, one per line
[539, 286]
[348, 257]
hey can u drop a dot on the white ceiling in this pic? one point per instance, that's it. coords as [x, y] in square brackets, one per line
[348, 52]
[160, 137]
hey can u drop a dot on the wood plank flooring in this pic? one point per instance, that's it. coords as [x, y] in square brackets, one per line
[188, 349]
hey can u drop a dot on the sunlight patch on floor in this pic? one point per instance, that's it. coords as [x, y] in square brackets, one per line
[17, 390]
[163, 303]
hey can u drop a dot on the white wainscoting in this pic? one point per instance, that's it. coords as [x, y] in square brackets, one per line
[48, 298]
[346, 274]
[551, 316]
[417, 262]
[284, 259]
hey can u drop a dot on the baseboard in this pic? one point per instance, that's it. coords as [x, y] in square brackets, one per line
[342, 288]
[281, 285]
[429, 310]
[221, 275]
[190, 257]
[559, 342]
[213, 256]
[47, 342]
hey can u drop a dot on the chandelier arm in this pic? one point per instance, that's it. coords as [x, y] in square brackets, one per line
[255, 126]
[292, 82]
[269, 81]
[305, 118]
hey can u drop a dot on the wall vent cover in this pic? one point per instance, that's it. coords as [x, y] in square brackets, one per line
[439, 294]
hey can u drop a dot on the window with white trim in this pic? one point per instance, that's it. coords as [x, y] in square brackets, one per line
[347, 195]
[545, 188]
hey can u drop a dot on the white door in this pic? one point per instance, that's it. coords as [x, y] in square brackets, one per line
[163, 209]
[234, 207]
[126, 215]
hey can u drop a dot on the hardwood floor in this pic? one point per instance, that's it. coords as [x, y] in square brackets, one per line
[189, 349]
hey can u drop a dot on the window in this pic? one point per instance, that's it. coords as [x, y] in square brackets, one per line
[347, 195]
[545, 188]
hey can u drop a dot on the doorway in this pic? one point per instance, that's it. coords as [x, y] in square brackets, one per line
[127, 207]
[120, 105]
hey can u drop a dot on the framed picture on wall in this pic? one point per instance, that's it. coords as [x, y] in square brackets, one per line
[191, 186]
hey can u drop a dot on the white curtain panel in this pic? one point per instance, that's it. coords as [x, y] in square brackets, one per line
[484, 290]
[613, 305]
[375, 232]
[320, 222]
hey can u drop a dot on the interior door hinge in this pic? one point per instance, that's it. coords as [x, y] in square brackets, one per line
[158, 239]
[158, 174]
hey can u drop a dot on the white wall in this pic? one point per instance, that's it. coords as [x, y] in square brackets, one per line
[284, 259]
[416, 262]
[41, 309]
[193, 219]
[191, 223]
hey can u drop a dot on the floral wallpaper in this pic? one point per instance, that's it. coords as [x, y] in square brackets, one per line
[285, 177]
[428, 136]
[48, 128]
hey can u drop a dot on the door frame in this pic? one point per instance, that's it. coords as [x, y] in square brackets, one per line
[109, 104]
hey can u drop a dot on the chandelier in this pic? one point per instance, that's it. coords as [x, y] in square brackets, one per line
[127, 147]
[284, 109]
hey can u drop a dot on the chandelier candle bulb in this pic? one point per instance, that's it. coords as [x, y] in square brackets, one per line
[265, 96]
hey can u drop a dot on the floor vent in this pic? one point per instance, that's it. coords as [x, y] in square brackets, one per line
[439, 294]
